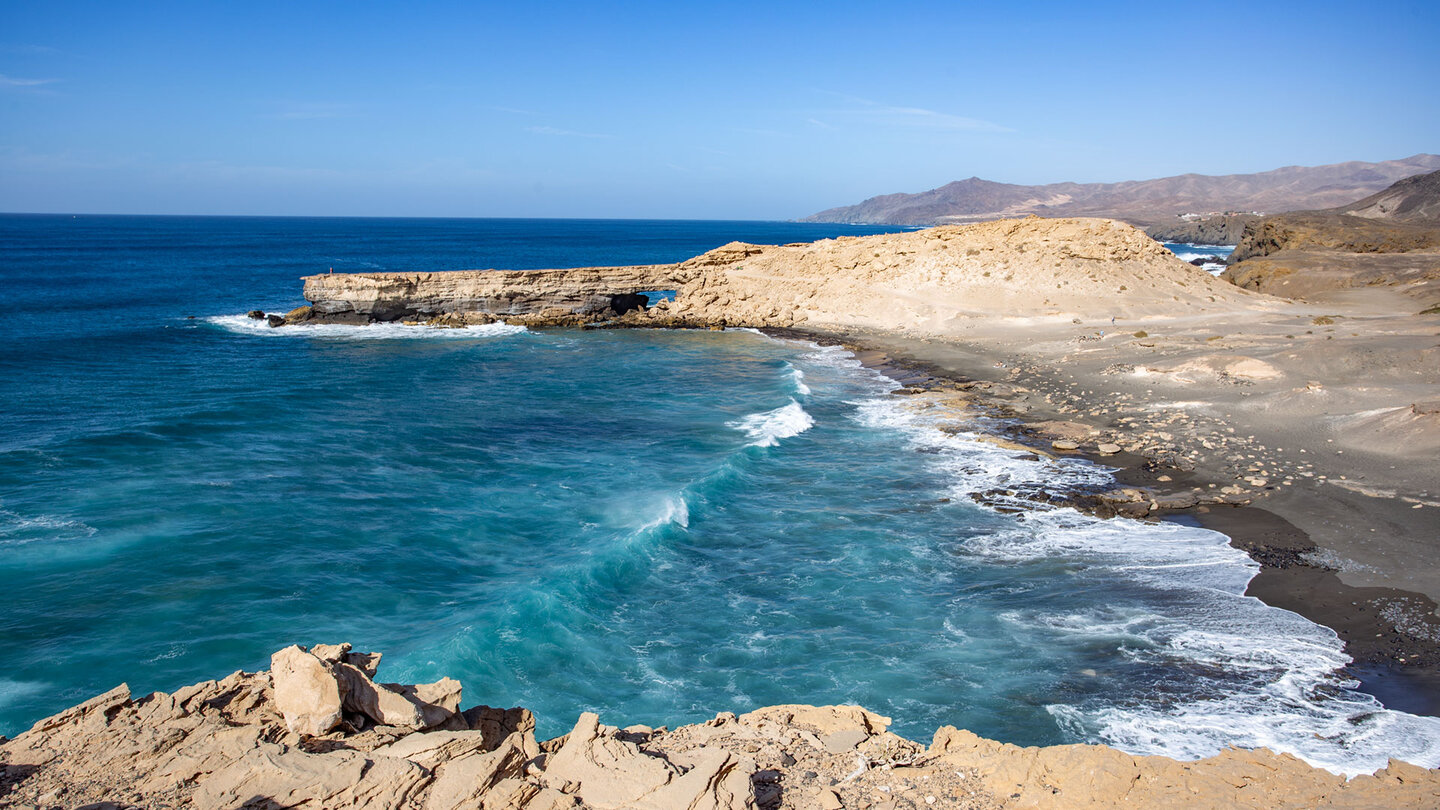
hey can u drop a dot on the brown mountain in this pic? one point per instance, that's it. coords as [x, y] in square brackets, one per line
[1141, 202]
[1414, 199]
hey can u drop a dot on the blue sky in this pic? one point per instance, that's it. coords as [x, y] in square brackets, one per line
[747, 111]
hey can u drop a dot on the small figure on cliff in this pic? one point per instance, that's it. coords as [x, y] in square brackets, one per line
[332, 271]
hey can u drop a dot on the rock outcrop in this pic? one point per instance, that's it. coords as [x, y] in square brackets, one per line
[1221, 229]
[242, 742]
[1390, 239]
[931, 281]
[509, 294]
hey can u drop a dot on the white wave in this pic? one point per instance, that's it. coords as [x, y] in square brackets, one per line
[768, 428]
[243, 324]
[1257, 675]
[673, 510]
[797, 378]
[1187, 251]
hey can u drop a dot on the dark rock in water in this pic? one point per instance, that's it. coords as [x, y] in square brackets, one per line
[274, 321]
[1204, 260]
[255, 315]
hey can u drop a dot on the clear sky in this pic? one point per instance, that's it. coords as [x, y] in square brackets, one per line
[769, 110]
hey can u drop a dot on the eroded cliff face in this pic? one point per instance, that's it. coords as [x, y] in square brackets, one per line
[494, 293]
[925, 281]
[318, 731]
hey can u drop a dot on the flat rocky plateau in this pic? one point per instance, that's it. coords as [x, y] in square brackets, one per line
[318, 731]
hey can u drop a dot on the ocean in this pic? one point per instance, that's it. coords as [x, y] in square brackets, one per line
[654, 525]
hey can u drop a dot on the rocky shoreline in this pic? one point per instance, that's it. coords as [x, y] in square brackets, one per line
[317, 730]
[1392, 635]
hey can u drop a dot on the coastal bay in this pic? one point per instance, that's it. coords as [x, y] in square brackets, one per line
[968, 524]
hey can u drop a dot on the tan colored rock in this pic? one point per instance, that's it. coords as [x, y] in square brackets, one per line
[611, 773]
[307, 693]
[223, 744]
[494, 293]
[389, 704]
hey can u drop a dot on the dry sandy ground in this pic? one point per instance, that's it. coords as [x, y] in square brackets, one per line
[1340, 419]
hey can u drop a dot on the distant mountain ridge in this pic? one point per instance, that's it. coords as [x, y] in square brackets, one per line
[1158, 202]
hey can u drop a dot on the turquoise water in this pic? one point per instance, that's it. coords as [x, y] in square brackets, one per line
[654, 525]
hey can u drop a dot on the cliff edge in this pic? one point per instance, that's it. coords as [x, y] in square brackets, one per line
[318, 731]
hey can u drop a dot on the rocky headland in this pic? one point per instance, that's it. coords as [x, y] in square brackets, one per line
[1220, 229]
[1388, 240]
[317, 730]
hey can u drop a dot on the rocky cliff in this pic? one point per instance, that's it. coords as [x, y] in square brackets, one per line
[318, 731]
[1222, 229]
[496, 293]
[1142, 202]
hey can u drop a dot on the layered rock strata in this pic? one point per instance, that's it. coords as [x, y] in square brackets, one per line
[494, 293]
[246, 742]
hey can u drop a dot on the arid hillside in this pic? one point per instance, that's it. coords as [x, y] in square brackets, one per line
[1143, 202]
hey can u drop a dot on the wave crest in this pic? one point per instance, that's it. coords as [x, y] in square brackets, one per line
[768, 428]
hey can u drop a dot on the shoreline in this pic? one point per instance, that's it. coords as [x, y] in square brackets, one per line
[1395, 654]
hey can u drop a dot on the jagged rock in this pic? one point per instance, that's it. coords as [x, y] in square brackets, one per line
[255, 315]
[390, 704]
[611, 773]
[223, 744]
[307, 693]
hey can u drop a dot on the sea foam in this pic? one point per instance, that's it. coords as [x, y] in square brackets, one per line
[1254, 675]
[768, 428]
[376, 331]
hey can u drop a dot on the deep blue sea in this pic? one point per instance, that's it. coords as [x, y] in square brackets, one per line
[654, 525]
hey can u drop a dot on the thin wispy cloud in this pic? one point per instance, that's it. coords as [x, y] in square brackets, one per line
[567, 133]
[892, 115]
[21, 83]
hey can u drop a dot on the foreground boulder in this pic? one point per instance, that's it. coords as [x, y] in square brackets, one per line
[254, 740]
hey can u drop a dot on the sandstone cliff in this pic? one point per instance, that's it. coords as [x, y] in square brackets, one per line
[495, 293]
[314, 732]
